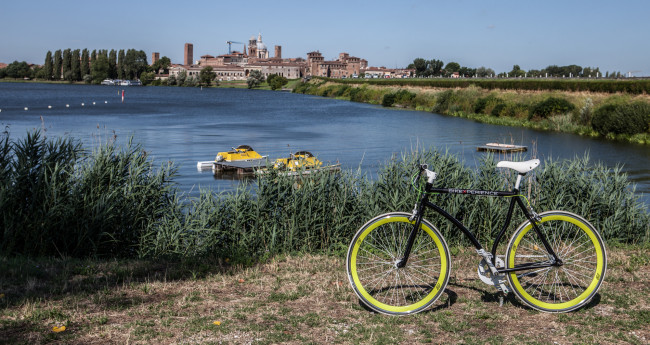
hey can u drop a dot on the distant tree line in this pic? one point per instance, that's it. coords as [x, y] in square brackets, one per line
[437, 68]
[83, 65]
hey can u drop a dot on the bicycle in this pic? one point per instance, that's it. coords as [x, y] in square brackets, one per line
[398, 263]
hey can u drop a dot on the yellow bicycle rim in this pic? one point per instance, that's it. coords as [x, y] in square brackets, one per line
[600, 262]
[403, 309]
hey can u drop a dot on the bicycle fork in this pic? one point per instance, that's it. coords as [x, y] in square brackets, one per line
[417, 215]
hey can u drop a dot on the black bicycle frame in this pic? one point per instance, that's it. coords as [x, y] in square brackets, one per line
[514, 194]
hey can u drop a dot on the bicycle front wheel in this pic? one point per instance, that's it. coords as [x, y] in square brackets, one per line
[372, 265]
[557, 288]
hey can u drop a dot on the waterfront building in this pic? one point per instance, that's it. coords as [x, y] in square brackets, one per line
[238, 65]
[257, 48]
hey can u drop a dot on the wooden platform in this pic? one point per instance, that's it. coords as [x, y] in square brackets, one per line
[243, 167]
[501, 148]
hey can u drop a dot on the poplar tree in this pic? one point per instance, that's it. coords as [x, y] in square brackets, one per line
[47, 67]
[85, 61]
[99, 68]
[112, 64]
[75, 67]
[67, 65]
[56, 70]
[120, 64]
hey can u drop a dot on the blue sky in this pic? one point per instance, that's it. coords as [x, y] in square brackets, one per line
[612, 35]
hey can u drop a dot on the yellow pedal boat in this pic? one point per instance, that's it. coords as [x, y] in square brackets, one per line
[241, 157]
[299, 163]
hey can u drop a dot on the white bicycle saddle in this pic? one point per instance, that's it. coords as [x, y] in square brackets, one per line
[520, 167]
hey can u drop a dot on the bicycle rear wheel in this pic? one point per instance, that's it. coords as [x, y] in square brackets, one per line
[372, 265]
[557, 288]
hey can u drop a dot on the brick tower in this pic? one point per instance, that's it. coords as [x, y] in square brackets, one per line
[188, 57]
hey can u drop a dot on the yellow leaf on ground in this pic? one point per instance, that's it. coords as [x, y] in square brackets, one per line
[58, 329]
[217, 323]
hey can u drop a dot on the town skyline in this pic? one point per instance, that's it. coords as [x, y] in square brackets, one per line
[472, 33]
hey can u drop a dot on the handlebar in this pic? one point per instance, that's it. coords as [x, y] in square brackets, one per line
[431, 175]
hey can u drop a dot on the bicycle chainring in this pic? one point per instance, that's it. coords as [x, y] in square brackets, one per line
[485, 274]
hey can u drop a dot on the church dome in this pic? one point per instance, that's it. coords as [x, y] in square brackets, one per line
[260, 44]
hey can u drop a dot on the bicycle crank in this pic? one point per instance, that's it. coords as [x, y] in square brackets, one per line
[487, 277]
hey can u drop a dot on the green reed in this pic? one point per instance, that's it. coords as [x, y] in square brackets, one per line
[321, 212]
[58, 199]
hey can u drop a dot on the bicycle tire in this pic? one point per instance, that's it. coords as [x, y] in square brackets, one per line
[557, 288]
[374, 276]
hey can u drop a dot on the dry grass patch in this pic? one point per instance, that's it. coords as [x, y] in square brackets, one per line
[294, 300]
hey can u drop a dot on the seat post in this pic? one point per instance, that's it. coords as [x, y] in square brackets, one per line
[518, 181]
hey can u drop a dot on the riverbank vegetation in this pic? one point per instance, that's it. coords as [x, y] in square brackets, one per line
[97, 245]
[59, 199]
[617, 116]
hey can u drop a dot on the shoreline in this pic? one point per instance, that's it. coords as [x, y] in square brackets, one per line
[505, 107]
[510, 105]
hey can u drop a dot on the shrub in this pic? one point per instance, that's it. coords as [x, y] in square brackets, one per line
[388, 100]
[622, 119]
[444, 101]
[354, 94]
[498, 109]
[585, 114]
[482, 103]
[518, 110]
[405, 98]
[551, 106]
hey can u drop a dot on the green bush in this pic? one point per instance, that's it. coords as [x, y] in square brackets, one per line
[444, 101]
[405, 98]
[483, 102]
[388, 100]
[498, 109]
[517, 110]
[354, 94]
[622, 118]
[551, 106]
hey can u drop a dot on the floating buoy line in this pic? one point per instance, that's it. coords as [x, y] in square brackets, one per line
[49, 106]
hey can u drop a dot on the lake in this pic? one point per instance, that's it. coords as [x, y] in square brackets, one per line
[186, 125]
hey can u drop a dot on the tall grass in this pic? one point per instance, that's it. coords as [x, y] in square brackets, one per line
[321, 212]
[58, 199]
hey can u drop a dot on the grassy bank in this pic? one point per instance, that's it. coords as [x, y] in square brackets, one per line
[295, 299]
[615, 116]
[100, 242]
[629, 86]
